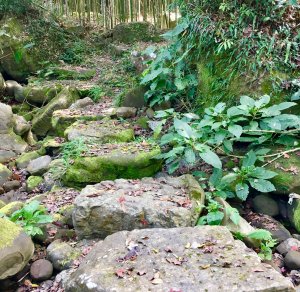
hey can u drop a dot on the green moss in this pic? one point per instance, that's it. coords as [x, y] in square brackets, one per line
[2, 204]
[115, 165]
[10, 208]
[23, 160]
[9, 231]
[33, 182]
[65, 74]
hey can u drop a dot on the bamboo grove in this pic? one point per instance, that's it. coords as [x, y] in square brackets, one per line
[111, 12]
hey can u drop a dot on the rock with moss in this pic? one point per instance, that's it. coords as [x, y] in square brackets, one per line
[293, 212]
[5, 174]
[2, 204]
[33, 182]
[41, 94]
[24, 110]
[10, 208]
[2, 85]
[54, 175]
[287, 181]
[102, 131]
[73, 74]
[112, 161]
[100, 209]
[23, 160]
[62, 255]
[135, 97]
[41, 123]
[202, 258]
[134, 31]
[16, 249]
[21, 126]
[12, 43]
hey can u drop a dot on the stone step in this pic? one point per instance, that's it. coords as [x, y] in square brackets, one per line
[101, 162]
[103, 131]
[62, 119]
[111, 206]
[188, 259]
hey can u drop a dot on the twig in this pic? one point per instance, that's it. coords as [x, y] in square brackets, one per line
[278, 155]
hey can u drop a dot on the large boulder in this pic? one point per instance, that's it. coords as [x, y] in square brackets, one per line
[102, 131]
[16, 249]
[41, 123]
[205, 258]
[5, 174]
[41, 94]
[111, 161]
[15, 61]
[134, 31]
[148, 203]
[39, 165]
[6, 118]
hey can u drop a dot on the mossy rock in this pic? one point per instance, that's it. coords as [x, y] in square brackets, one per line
[294, 214]
[103, 131]
[23, 110]
[287, 181]
[135, 31]
[112, 161]
[72, 74]
[217, 83]
[41, 94]
[2, 204]
[41, 123]
[5, 173]
[33, 182]
[16, 249]
[23, 160]
[10, 208]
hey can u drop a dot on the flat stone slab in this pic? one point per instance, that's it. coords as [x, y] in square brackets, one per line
[111, 206]
[188, 259]
[102, 131]
[101, 162]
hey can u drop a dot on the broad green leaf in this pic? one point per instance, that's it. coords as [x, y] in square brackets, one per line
[264, 100]
[211, 158]
[262, 151]
[242, 191]
[173, 167]
[260, 234]
[262, 185]
[233, 215]
[249, 159]
[260, 172]
[216, 177]
[43, 219]
[296, 96]
[214, 218]
[189, 156]
[184, 129]
[247, 101]
[228, 179]
[181, 27]
[227, 144]
[234, 111]
[32, 207]
[287, 140]
[235, 130]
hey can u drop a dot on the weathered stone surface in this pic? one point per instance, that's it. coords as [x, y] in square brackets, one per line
[62, 255]
[175, 259]
[135, 97]
[16, 249]
[62, 119]
[287, 245]
[14, 89]
[10, 208]
[54, 175]
[82, 103]
[266, 205]
[42, 94]
[41, 123]
[112, 161]
[11, 185]
[103, 131]
[133, 32]
[101, 209]
[21, 125]
[292, 260]
[5, 173]
[41, 270]
[6, 118]
[2, 85]
[24, 159]
[39, 165]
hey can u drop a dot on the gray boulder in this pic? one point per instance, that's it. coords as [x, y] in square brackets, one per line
[39, 165]
[41, 94]
[41, 123]
[205, 258]
[6, 118]
[287, 245]
[82, 103]
[292, 260]
[41, 270]
[14, 89]
[101, 209]
[5, 174]
[62, 255]
[21, 125]
[16, 249]
[266, 205]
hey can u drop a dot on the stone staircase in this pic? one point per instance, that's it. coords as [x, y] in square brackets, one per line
[150, 242]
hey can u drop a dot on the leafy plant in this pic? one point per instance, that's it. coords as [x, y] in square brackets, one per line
[189, 139]
[72, 150]
[31, 217]
[96, 93]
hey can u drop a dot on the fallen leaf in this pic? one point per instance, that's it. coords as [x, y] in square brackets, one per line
[204, 267]
[120, 273]
[141, 273]
[157, 281]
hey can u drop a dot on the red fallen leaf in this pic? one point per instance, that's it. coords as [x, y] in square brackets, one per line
[285, 155]
[168, 249]
[208, 249]
[144, 222]
[121, 200]
[175, 290]
[120, 273]
[295, 248]
[16, 176]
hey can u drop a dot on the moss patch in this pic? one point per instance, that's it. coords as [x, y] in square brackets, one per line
[9, 231]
